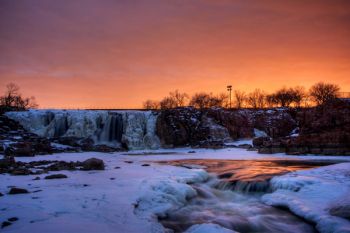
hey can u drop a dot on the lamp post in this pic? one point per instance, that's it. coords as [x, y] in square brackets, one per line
[229, 88]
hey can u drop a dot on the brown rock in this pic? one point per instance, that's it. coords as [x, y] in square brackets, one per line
[261, 141]
[13, 219]
[5, 224]
[93, 164]
[18, 191]
[341, 211]
[56, 176]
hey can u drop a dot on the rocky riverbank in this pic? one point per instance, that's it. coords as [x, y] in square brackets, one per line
[320, 130]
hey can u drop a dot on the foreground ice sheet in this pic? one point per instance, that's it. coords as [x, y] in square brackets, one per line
[316, 195]
[93, 202]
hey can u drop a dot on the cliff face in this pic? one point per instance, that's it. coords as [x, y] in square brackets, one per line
[322, 130]
[190, 127]
[16, 141]
[213, 127]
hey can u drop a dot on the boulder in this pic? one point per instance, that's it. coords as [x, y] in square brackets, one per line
[93, 164]
[13, 219]
[342, 211]
[261, 141]
[15, 190]
[55, 176]
[7, 162]
[265, 150]
[5, 224]
[20, 149]
[244, 146]
[20, 171]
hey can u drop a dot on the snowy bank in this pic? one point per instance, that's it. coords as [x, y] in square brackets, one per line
[97, 201]
[319, 195]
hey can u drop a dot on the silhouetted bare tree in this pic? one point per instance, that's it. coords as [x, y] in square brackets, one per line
[224, 100]
[271, 100]
[168, 103]
[256, 99]
[283, 97]
[200, 100]
[13, 100]
[151, 104]
[322, 92]
[179, 97]
[205, 100]
[240, 98]
[298, 95]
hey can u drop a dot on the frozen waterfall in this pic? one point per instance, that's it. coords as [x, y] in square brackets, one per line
[134, 128]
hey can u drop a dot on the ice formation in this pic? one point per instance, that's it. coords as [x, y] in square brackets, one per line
[318, 195]
[134, 128]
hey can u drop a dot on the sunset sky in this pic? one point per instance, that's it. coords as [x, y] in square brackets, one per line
[118, 53]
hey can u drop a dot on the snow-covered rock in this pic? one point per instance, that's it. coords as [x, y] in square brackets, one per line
[159, 196]
[314, 195]
[208, 228]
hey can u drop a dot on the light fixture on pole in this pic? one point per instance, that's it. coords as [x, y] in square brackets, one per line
[229, 88]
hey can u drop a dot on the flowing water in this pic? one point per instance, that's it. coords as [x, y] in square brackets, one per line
[231, 197]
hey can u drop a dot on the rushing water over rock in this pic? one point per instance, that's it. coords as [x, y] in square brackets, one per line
[247, 175]
[231, 198]
[233, 210]
[135, 129]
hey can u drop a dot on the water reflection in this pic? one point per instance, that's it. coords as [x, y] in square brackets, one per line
[247, 175]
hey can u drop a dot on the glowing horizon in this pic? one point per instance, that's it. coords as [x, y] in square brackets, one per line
[117, 54]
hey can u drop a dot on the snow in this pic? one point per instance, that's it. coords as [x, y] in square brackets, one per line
[242, 141]
[160, 196]
[259, 133]
[90, 201]
[311, 194]
[248, 141]
[60, 146]
[208, 228]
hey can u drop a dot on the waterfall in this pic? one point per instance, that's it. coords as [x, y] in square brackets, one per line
[244, 186]
[112, 130]
[61, 126]
[237, 211]
[135, 129]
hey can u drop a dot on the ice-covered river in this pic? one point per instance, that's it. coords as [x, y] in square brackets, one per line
[231, 197]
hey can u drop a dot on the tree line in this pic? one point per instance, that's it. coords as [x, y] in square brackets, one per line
[298, 96]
